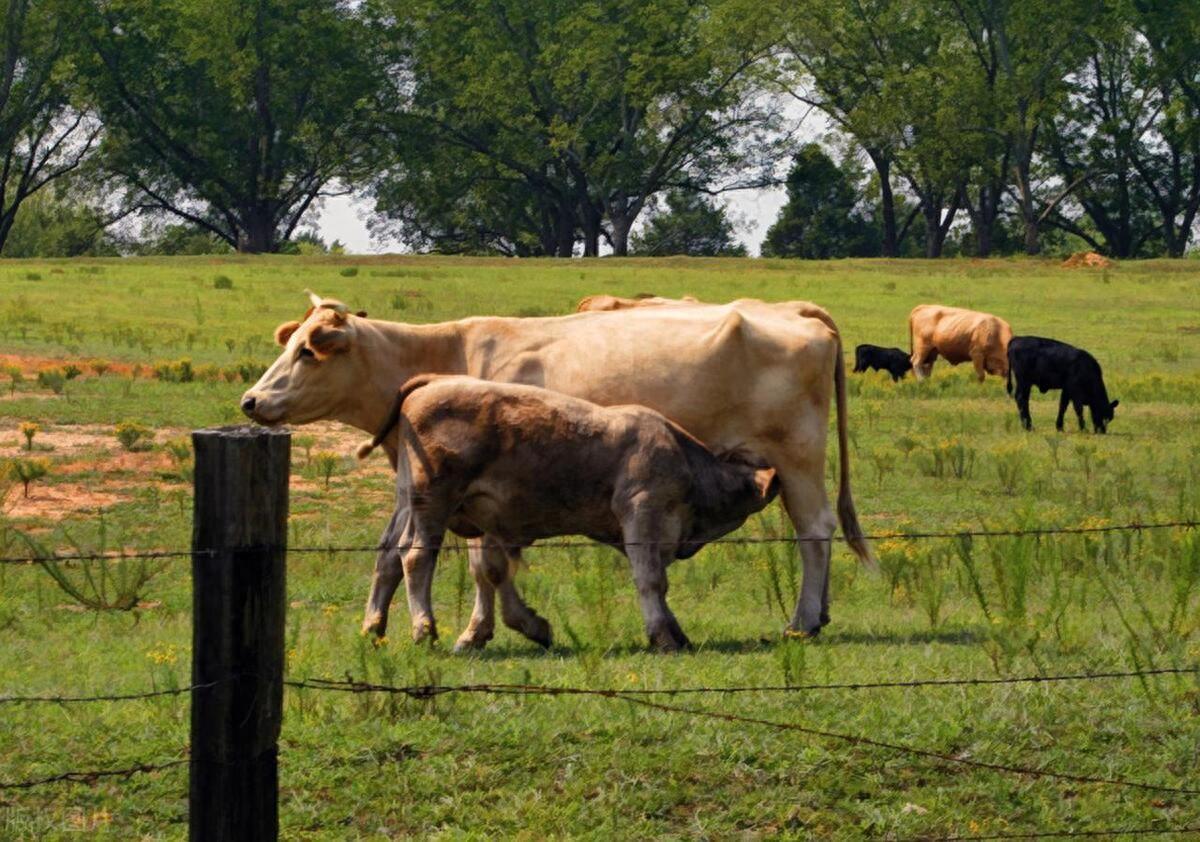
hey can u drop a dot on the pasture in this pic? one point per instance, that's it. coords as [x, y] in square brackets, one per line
[178, 338]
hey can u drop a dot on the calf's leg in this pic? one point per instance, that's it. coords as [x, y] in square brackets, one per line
[420, 560]
[388, 573]
[502, 563]
[1077, 405]
[483, 617]
[645, 549]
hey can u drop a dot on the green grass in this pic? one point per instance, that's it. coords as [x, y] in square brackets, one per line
[474, 766]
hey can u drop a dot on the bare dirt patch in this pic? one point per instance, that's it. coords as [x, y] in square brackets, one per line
[58, 501]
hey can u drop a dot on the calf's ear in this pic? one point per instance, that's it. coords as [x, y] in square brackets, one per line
[284, 332]
[1113, 405]
[768, 484]
[326, 340]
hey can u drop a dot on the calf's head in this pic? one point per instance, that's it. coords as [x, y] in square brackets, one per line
[316, 375]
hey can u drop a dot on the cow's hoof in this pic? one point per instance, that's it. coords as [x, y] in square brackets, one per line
[374, 625]
[540, 633]
[471, 641]
[424, 630]
[824, 619]
[669, 640]
[801, 634]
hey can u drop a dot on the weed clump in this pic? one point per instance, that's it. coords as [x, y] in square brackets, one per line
[133, 437]
[222, 282]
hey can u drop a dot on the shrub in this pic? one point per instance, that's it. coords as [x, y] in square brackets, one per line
[52, 379]
[326, 464]
[71, 371]
[180, 371]
[250, 371]
[349, 272]
[33, 276]
[15, 379]
[29, 430]
[305, 443]
[100, 367]
[133, 436]
[222, 282]
[208, 373]
[26, 471]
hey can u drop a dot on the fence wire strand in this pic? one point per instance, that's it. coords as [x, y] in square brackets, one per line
[111, 697]
[577, 544]
[1109, 832]
[90, 776]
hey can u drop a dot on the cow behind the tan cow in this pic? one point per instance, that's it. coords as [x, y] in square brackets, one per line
[747, 376]
[958, 336]
[521, 463]
[604, 302]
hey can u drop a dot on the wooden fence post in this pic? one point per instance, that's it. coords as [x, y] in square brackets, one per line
[239, 545]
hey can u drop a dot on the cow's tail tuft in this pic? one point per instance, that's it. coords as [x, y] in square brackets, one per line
[847, 514]
[393, 417]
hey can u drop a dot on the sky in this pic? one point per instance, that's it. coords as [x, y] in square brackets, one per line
[344, 218]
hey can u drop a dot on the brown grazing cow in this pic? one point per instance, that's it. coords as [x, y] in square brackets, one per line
[958, 336]
[522, 463]
[604, 303]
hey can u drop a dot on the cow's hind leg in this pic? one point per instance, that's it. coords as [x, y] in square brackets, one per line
[1077, 405]
[808, 507]
[388, 573]
[1022, 398]
[420, 560]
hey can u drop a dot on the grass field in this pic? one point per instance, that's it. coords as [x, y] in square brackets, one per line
[176, 339]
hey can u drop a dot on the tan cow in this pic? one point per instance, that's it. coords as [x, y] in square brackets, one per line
[604, 303]
[747, 376]
[958, 336]
[523, 463]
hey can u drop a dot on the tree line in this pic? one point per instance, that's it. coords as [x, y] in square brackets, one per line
[546, 127]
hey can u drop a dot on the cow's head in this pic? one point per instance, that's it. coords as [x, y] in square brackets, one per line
[316, 375]
[1102, 414]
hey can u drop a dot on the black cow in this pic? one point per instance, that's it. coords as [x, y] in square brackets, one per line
[892, 360]
[1050, 364]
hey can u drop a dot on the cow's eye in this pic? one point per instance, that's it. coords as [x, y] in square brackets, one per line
[306, 352]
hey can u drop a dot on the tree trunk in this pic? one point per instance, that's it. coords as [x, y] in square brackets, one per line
[565, 231]
[1029, 216]
[257, 235]
[883, 166]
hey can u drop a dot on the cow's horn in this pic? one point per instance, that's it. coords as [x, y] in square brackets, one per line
[313, 297]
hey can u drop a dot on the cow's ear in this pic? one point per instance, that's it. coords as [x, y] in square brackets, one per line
[284, 332]
[362, 314]
[1113, 405]
[328, 340]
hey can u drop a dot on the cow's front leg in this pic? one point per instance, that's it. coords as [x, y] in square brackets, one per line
[1063, 400]
[1078, 407]
[650, 576]
[388, 573]
[516, 614]
[483, 618]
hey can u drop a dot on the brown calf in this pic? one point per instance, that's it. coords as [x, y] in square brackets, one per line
[521, 463]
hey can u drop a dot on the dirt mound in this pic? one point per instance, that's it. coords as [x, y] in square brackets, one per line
[1086, 260]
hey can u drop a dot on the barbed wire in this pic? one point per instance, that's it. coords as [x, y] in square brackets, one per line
[575, 544]
[427, 691]
[110, 697]
[92, 775]
[1061, 834]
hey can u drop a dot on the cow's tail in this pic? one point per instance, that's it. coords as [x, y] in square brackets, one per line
[393, 416]
[847, 514]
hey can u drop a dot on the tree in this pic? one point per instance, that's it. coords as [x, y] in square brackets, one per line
[572, 113]
[60, 222]
[691, 225]
[1026, 50]
[233, 116]
[822, 218]
[44, 133]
